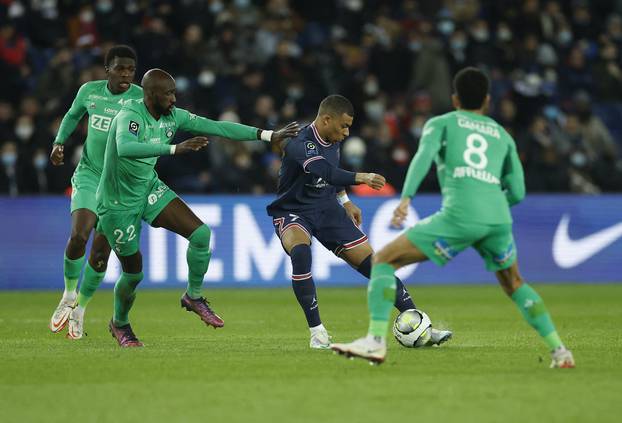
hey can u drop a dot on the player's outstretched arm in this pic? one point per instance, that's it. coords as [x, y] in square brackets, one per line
[190, 145]
[231, 130]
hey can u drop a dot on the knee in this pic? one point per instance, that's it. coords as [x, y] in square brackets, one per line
[380, 257]
[79, 238]
[201, 236]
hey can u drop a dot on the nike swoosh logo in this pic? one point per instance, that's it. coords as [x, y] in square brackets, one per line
[569, 253]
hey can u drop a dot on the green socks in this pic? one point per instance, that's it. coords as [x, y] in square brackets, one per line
[198, 256]
[124, 296]
[380, 298]
[535, 313]
[90, 282]
[71, 271]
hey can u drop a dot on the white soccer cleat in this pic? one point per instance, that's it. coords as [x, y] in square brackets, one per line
[438, 337]
[75, 327]
[368, 348]
[61, 314]
[562, 358]
[320, 340]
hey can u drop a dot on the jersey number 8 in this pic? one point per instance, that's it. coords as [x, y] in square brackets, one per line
[476, 146]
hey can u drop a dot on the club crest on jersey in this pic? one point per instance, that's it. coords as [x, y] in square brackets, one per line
[310, 149]
[134, 127]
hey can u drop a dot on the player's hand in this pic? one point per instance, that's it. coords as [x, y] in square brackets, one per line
[353, 213]
[57, 156]
[400, 213]
[191, 144]
[372, 180]
[288, 131]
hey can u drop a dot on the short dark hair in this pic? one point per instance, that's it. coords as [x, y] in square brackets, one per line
[336, 105]
[471, 86]
[119, 51]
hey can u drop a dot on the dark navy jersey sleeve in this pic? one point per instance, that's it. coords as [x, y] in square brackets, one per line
[304, 152]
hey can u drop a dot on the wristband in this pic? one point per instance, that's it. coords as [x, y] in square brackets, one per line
[343, 199]
[266, 135]
[173, 148]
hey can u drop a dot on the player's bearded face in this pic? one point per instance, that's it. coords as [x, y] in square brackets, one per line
[121, 72]
[166, 98]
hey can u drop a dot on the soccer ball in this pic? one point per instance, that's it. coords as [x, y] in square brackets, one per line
[412, 328]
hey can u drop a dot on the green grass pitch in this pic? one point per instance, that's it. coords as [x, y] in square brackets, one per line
[258, 368]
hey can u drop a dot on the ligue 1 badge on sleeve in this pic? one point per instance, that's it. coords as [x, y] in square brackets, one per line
[311, 149]
[169, 133]
[134, 127]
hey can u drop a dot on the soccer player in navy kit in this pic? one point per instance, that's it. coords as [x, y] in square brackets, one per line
[312, 202]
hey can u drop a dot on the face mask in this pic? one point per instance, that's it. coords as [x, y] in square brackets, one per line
[374, 110]
[578, 159]
[9, 159]
[24, 132]
[87, 16]
[216, 7]
[182, 83]
[354, 5]
[371, 87]
[458, 44]
[504, 34]
[207, 78]
[295, 92]
[104, 6]
[355, 161]
[414, 46]
[564, 37]
[446, 27]
[481, 35]
[40, 162]
[242, 4]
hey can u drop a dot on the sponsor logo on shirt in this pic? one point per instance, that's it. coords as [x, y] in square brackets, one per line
[101, 123]
[96, 97]
[133, 127]
[110, 111]
[480, 175]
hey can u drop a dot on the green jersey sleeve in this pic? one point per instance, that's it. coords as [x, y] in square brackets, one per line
[130, 126]
[429, 146]
[73, 116]
[201, 125]
[513, 178]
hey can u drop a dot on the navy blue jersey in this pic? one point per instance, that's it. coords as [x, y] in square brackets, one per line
[298, 188]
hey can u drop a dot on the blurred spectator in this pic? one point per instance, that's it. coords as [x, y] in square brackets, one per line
[268, 62]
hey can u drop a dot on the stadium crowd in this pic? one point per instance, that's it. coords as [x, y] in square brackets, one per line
[556, 71]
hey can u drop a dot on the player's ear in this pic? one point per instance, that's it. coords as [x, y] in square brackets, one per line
[486, 105]
[455, 101]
